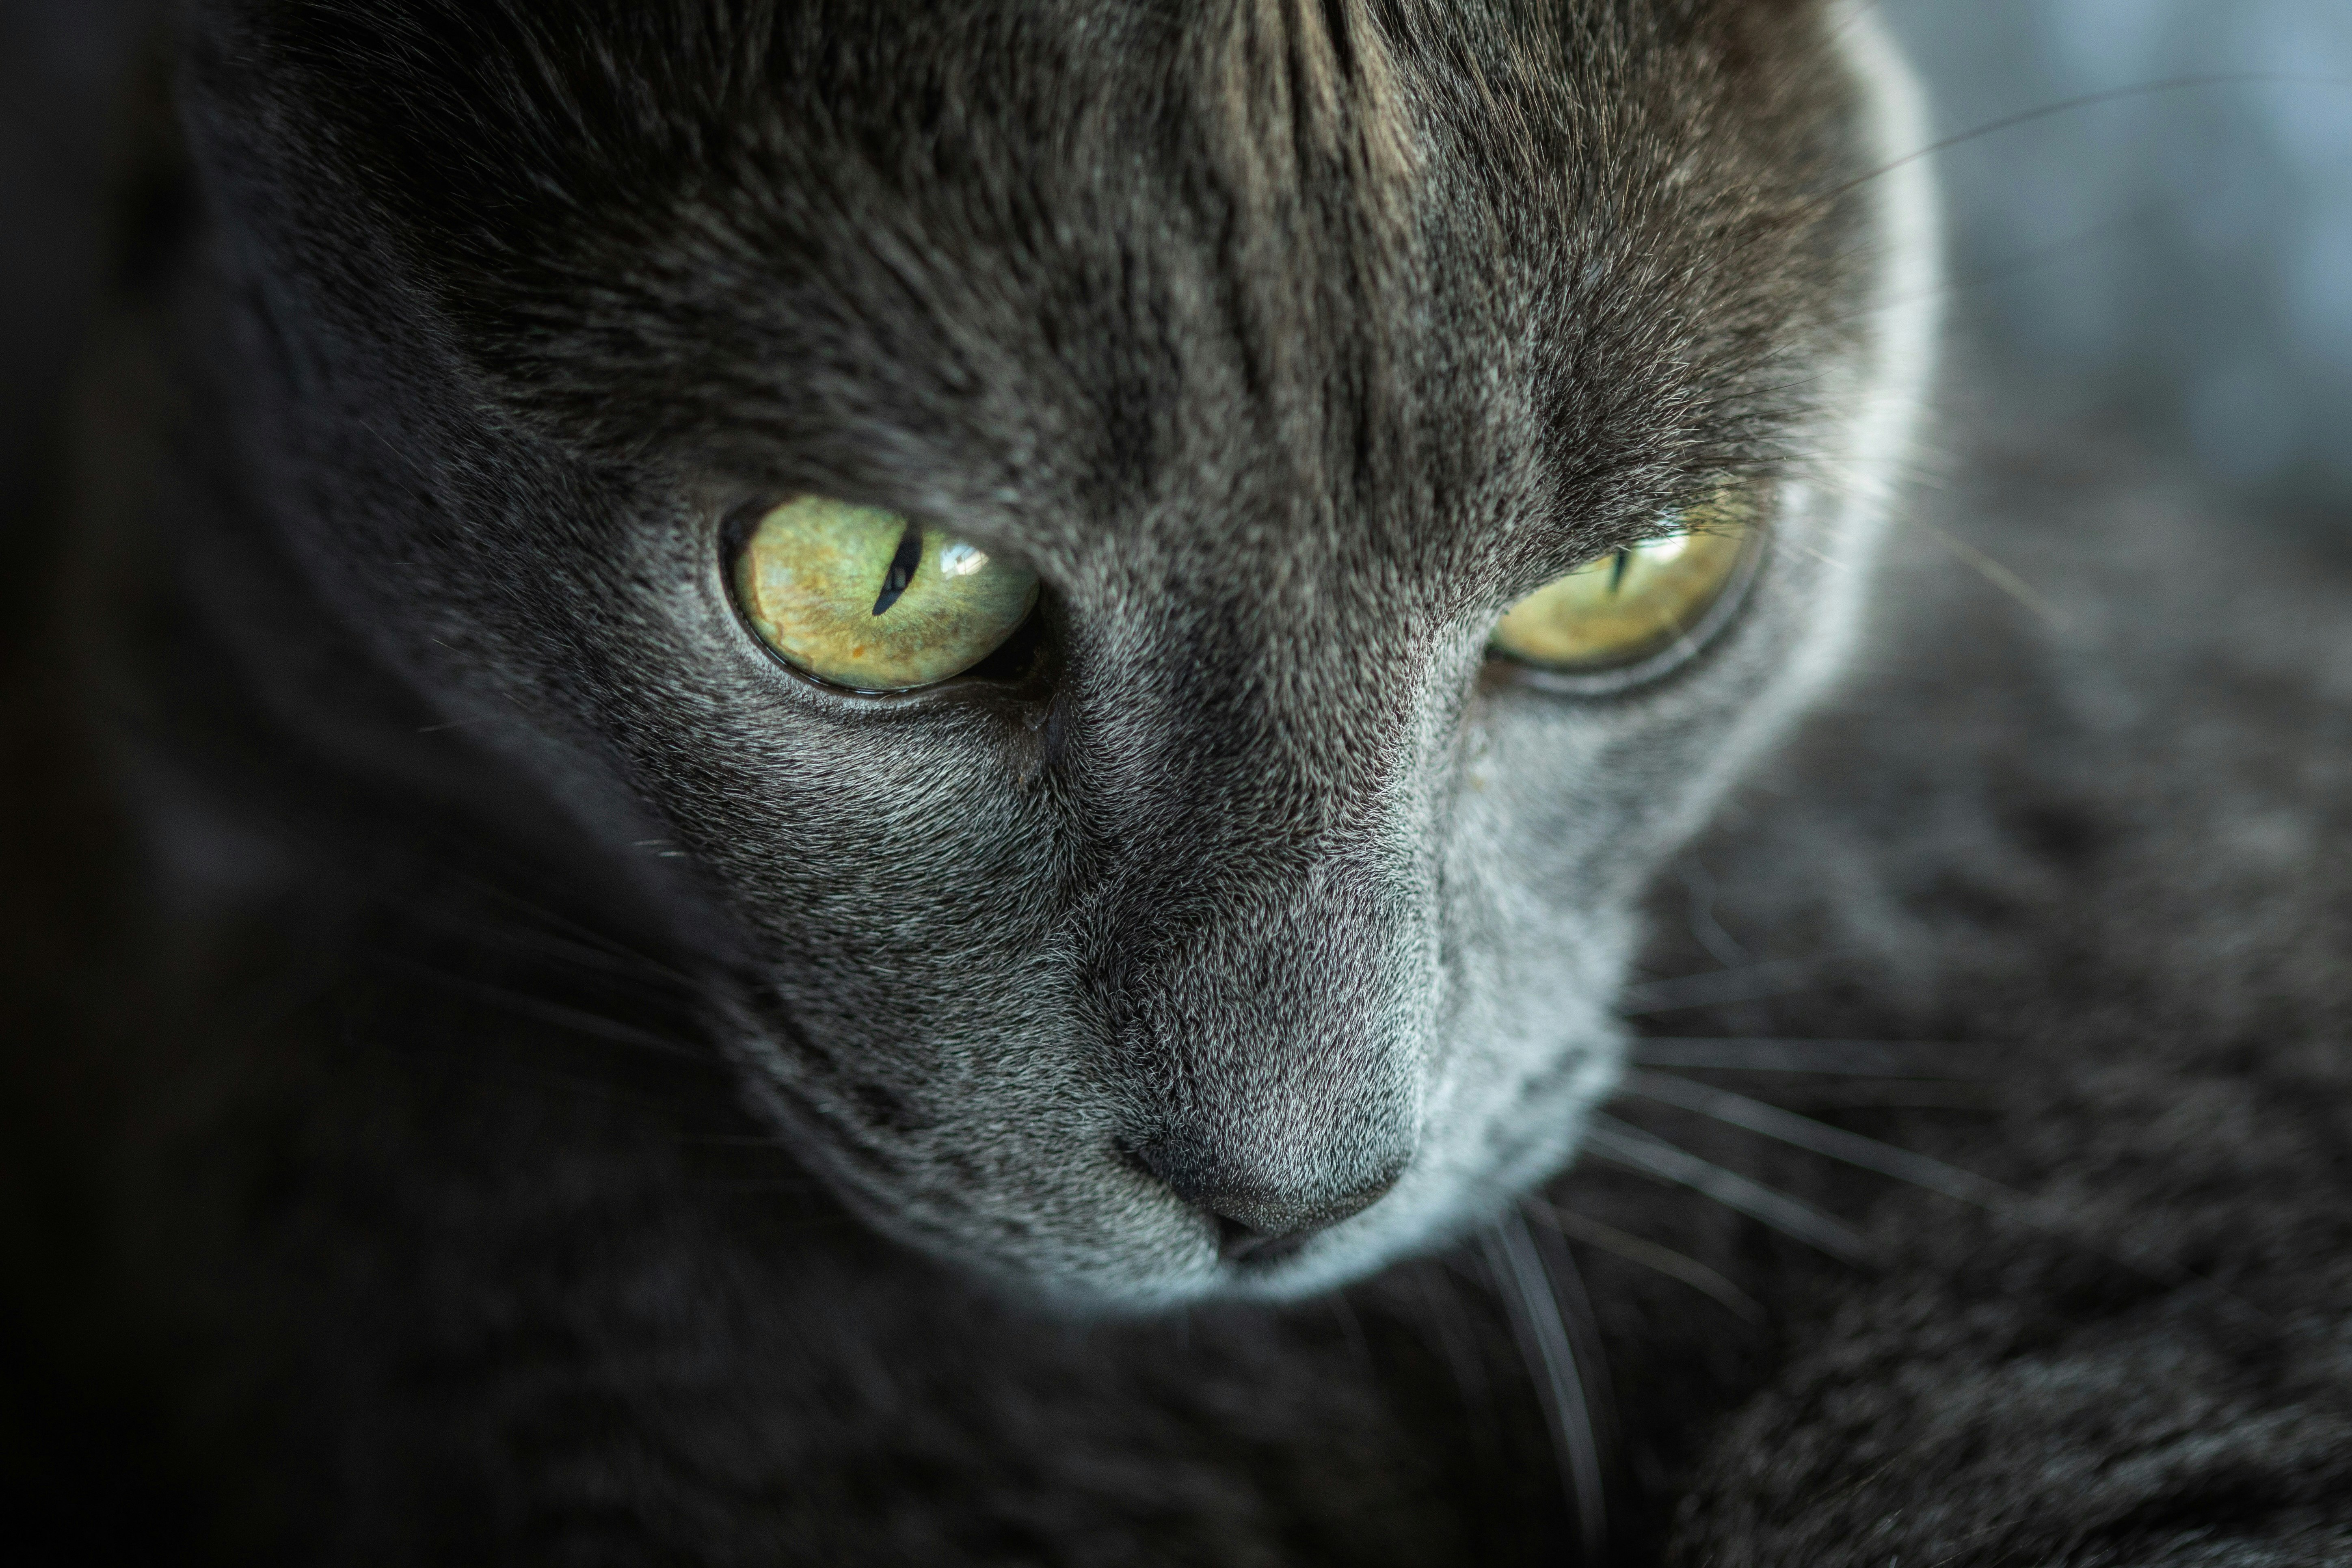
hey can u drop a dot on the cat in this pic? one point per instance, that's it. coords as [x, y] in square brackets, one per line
[525, 1065]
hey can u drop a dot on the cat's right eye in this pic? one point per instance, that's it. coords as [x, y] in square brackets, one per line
[867, 599]
[1637, 603]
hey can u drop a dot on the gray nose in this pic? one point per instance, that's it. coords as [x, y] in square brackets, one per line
[1262, 1216]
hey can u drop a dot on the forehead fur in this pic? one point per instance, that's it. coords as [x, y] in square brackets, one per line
[1066, 251]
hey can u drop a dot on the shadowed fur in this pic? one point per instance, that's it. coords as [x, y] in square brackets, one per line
[567, 1087]
[1231, 323]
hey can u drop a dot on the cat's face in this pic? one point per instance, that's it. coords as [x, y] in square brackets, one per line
[1289, 343]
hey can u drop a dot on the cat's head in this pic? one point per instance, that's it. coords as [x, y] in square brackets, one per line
[1250, 914]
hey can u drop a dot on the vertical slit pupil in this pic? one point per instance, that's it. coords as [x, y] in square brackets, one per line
[903, 562]
[1617, 565]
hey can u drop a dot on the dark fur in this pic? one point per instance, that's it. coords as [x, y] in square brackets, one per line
[413, 858]
[1363, 330]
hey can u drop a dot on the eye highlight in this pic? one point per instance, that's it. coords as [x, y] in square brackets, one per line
[868, 600]
[1638, 602]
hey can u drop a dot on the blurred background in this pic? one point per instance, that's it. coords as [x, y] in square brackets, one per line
[2179, 261]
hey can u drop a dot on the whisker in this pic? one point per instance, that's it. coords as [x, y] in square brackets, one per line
[1621, 1143]
[1824, 200]
[1860, 1059]
[1705, 928]
[1544, 1343]
[578, 1021]
[1994, 573]
[1351, 1327]
[1638, 1249]
[2075, 105]
[1979, 1097]
[1933, 1174]
[1820, 1138]
[1773, 977]
[2018, 264]
[488, 937]
[585, 935]
[586, 1086]
[1825, 559]
[1457, 1346]
[491, 932]
[1590, 1360]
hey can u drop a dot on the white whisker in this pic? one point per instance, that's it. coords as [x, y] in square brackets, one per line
[1457, 1344]
[1860, 1059]
[1638, 1249]
[1746, 983]
[1623, 1144]
[1994, 573]
[1923, 1170]
[1708, 931]
[2076, 106]
[1534, 1308]
[1820, 1138]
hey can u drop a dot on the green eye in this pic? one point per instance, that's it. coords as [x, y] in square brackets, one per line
[867, 600]
[1636, 603]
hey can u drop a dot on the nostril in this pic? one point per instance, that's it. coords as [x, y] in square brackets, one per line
[1166, 1164]
[1237, 1243]
[1256, 1224]
[1286, 1222]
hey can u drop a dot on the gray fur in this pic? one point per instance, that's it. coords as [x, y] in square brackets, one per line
[515, 1075]
[1272, 889]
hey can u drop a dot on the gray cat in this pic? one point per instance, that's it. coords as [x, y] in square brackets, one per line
[834, 785]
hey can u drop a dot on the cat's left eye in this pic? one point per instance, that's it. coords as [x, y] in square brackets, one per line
[1638, 602]
[867, 599]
